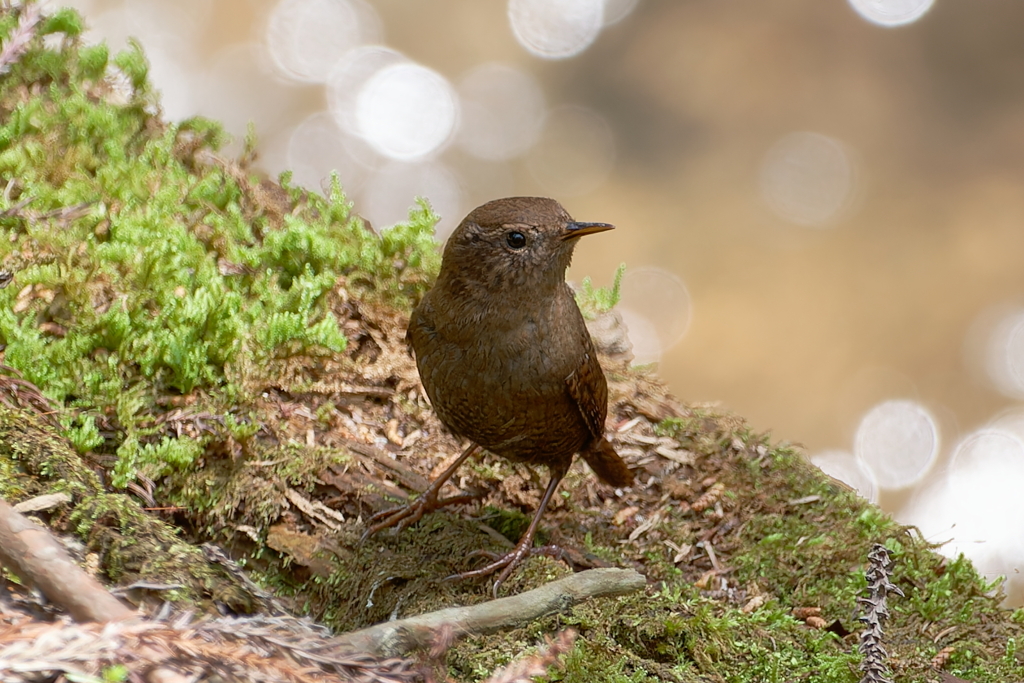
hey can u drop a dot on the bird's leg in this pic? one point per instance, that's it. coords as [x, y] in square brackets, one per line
[525, 547]
[425, 502]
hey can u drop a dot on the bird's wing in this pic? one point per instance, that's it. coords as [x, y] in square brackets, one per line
[589, 390]
[421, 324]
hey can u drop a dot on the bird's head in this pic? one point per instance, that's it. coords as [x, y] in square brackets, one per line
[512, 243]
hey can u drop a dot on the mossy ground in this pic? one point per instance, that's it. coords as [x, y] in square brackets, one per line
[229, 351]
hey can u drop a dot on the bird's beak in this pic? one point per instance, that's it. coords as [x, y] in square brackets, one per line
[576, 229]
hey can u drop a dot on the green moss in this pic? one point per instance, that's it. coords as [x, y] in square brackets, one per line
[161, 457]
[82, 432]
[115, 673]
[674, 635]
[93, 61]
[511, 524]
[66, 21]
[131, 544]
[134, 65]
[596, 300]
[30, 451]
[793, 550]
[141, 271]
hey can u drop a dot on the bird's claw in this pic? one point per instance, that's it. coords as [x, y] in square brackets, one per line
[403, 517]
[490, 555]
[410, 513]
[427, 501]
[507, 562]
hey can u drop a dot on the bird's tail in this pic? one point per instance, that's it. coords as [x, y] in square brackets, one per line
[606, 463]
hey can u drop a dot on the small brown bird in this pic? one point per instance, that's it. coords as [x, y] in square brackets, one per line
[506, 359]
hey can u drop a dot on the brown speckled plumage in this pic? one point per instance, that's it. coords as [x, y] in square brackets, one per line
[503, 351]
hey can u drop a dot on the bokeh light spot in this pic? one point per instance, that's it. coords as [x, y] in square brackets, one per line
[350, 74]
[237, 90]
[179, 20]
[975, 508]
[306, 38]
[617, 10]
[891, 12]
[807, 179]
[502, 112]
[317, 147]
[655, 306]
[643, 336]
[175, 76]
[1004, 357]
[406, 111]
[575, 153]
[999, 451]
[842, 465]
[555, 29]
[898, 440]
[1011, 420]
[389, 194]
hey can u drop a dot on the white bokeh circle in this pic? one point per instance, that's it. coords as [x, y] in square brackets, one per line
[390, 192]
[556, 29]
[656, 309]
[406, 111]
[898, 440]
[502, 112]
[807, 178]
[890, 13]
[850, 470]
[306, 38]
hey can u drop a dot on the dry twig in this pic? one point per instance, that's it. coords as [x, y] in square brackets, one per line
[524, 669]
[879, 586]
[289, 650]
[394, 638]
[20, 37]
[20, 394]
[31, 553]
[268, 650]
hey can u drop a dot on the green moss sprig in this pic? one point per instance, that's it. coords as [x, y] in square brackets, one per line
[145, 266]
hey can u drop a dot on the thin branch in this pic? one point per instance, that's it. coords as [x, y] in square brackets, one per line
[20, 37]
[394, 638]
[525, 669]
[876, 612]
[31, 552]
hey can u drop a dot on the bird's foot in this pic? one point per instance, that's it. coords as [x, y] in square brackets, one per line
[507, 562]
[427, 501]
[410, 513]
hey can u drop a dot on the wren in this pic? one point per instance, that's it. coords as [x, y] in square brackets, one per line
[506, 360]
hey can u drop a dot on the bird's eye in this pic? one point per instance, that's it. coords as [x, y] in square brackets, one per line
[516, 240]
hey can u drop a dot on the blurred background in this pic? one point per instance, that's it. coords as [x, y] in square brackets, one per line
[820, 204]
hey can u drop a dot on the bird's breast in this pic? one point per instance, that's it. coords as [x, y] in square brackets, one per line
[499, 378]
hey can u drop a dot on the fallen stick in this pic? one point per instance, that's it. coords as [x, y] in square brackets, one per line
[395, 638]
[31, 553]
